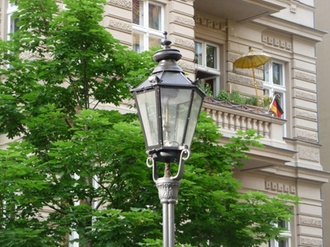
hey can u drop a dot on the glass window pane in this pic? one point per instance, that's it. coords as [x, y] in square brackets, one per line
[193, 118]
[175, 106]
[147, 109]
[283, 243]
[138, 12]
[198, 53]
[211, 56]
[154, 41]
[266, 72]
[138, 42]
[155, 16]
[277, 74]
[207, 81]
[282, 223]
[13, 25]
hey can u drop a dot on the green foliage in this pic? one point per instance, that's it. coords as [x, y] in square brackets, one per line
[252, 101]
[210, 206]
[223, 95]
[206, 88]
[118, 203]
[65, 58]
[236, 97]
[79, 169]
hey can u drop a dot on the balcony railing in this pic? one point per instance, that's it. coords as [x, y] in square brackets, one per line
[232, 117]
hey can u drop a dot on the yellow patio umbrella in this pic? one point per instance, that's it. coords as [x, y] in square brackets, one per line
[251, 60]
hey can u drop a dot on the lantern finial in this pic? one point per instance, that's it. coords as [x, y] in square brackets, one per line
[167, 53]
[166, 42]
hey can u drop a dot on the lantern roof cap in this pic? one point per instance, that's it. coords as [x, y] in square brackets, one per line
[167, 53]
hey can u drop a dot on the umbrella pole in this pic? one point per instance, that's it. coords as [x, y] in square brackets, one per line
[255, 86]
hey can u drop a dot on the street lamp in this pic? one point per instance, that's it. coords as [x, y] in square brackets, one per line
[168, 105]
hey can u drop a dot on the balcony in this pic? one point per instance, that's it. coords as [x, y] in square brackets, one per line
[238, 10]
[232, 117]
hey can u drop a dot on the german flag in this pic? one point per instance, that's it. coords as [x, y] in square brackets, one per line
[276, 108]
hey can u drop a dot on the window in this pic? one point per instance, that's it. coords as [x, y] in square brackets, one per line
[274, 81]
[285, 236]
[207, 62]
[12, 22]
[148, 27]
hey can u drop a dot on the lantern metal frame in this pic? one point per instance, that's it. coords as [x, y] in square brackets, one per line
[168, 76]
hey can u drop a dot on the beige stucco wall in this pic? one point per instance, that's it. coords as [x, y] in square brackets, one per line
[323, 75]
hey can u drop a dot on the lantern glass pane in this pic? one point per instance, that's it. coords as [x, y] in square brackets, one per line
[193, 118]
[175, 105]
[148, 114]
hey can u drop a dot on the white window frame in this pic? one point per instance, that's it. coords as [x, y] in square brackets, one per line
[144, 29]
[285, 235]
[270, 88]
[12, 8]
[213, 72]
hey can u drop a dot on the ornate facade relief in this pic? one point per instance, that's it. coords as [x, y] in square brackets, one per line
[310, 154]
[232, 57]
[125, 4]
[306, 135]
[280, 187]
[120, 25]
[243, 80]
[306, 115]
[305, 76]
[307, 221]
[184, 20]
[185, 43]
[277, 42]
[210, 23]
[305, 95]
[312, 242]
[187, 66]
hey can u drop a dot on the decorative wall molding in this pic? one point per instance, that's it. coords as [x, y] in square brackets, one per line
[306, 114]
[243, 80]
[277, 42]
[210, 23]
[187, 66]
[232, 57]
[184, 20]
[310, 221]
[305, 95]
[305, 76]
[306, 134]
[189, 44]
[120, 25]
[311, 242]
[125, 4]
[293, 8]
[280, 187]
[310, 154]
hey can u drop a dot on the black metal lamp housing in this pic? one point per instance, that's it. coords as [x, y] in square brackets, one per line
[168, 105]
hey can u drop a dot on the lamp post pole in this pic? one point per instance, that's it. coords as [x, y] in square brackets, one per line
[168, 189]
[168, 105]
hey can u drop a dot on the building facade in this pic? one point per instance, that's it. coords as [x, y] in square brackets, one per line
[323, 86]
[211, 35]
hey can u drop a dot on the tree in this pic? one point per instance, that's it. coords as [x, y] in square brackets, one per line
[79, 169]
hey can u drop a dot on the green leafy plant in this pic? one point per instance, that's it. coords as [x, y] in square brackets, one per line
[236, 97]
[223, 95]
[252, 101]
